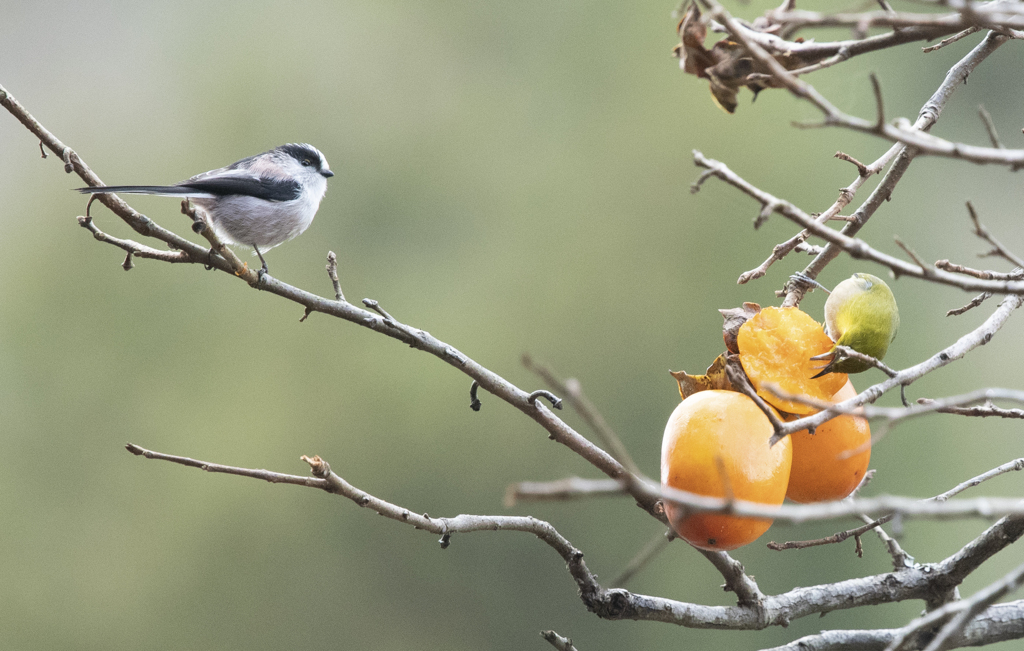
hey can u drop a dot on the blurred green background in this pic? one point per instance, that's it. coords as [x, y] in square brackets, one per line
[512, 177]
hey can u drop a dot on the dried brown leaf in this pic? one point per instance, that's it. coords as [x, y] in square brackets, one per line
[734, 318]
[714, 378]
[727, 66]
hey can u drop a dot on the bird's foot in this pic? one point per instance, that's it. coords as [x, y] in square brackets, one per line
[264, 270]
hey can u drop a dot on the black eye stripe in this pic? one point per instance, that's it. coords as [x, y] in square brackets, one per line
[306, 155]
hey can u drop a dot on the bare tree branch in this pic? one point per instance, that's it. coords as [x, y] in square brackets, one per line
[952, 39]
[755, 610]
[997, 247]
[998, 623]
[975, 14]
[904, 155]
[332, 273]
[971, 556]
[753, 42]
[857, 248]
[905, 507]
[570, 488]
[982, 411]
[956, 616]
[990, 127]
[326, 480]
[978, 337]
[557, 641]
[737, 580]
[846, 195]
[1015, 465]
[1016, 274]
[783, 21]
[132, 247]
[975, 302]
[898, 414]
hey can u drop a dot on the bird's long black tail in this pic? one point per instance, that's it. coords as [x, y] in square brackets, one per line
[167, 190]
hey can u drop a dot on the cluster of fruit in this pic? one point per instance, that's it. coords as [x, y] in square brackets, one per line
[717, 440]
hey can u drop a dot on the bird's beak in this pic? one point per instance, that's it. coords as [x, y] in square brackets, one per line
[326, 173]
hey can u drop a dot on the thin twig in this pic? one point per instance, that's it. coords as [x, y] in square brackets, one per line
[990, 127]
[876, 88]
[850, 353]
[325, 479]
[980, 13]
[925, 267]
[332, 273]
[862, 169]
[975, 302]
[952, 39]
[900, 561]
[557, 641]
[755, 611]
[978, 337]
[846, 195]
[892, 415]
[1010, 466]
[837, 537]
[474, 400]
[903, 156]
[132, 247]
[651, 550]
[983, 233]
[855, 247]
[905, 507]
[900, 558]
[570, 488]
[946, 265]
[982, 411]
[573, 392]
[739, 380]
[555, 401]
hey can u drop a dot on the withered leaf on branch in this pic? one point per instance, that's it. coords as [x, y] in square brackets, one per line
[715, 378]
[734, 318]
[693, 58]
[727, 65]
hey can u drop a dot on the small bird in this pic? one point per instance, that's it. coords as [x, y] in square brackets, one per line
[260, 201]
[860, 313]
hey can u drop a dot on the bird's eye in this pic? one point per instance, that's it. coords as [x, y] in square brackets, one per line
[306, 162]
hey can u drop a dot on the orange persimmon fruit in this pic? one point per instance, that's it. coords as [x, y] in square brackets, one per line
[830, 463]
[716, 443]
[776, 346]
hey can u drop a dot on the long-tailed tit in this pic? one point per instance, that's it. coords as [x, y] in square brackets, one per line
[260, 201]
